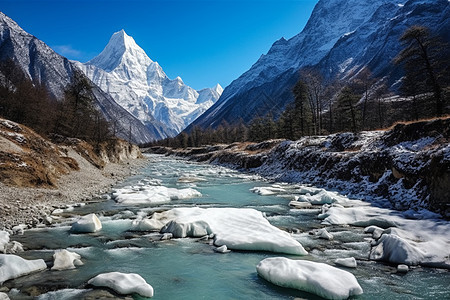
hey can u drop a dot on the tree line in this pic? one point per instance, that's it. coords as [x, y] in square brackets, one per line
[29, 103]
[363, 102]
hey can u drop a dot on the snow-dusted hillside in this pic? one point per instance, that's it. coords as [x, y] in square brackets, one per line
[405, 168]
[140, 85]
[340, 38]
[41, 64]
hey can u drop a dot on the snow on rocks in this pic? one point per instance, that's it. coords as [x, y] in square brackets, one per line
[13, 248]
[166, 236]
[122, 283]
[300, 205]
[87, 224]
[349, 262]
[19, 229]
[375, 231]
[68, 294]
[151, 194]
[13, 266]
[396, 239]
[3, 296]
[8, 247]
[66, 260]
[357, 216]
[395, 249]
[324, 234]
[222, 249]
[147, 225]
[4, 240]
[325, 197]
[238, 228]
[402, 269]
[316, 278]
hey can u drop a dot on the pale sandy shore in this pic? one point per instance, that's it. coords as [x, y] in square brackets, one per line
[29, 206]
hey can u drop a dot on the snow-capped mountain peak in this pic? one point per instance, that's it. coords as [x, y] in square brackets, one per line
[218, 88]
[121, 48]
[39, 63]
[140, 85]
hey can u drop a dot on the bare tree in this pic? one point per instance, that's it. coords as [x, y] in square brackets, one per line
[316, 87]
[363, 83]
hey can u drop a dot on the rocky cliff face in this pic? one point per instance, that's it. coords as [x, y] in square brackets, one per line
[340, 38]
[406, 168]
[41, 64]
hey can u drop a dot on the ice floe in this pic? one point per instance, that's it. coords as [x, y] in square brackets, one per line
[87, 224]
[66, 260]
[125, 284]
[316, 278]
[151, 194]
[267, 190]
[237, 228]
[13, 266]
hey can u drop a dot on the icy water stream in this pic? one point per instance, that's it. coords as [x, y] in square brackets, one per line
[188, 268]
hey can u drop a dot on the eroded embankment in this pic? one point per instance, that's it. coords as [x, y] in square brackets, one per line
[406, 167]
[38, 175]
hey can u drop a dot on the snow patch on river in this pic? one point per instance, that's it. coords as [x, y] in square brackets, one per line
[238, 229]
[146, 192]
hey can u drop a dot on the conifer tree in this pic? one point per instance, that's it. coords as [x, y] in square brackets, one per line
[347, 110]
[425, 60]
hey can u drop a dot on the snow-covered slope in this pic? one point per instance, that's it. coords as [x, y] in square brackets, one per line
[340, 38]
[41, 64]
[140, 85]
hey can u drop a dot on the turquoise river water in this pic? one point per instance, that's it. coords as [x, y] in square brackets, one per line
[189, 268]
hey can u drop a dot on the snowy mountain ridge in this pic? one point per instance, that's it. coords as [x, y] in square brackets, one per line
[306, 48]
[340, 38]
[139, 85]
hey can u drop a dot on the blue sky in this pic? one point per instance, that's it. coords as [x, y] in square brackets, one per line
[203, 41]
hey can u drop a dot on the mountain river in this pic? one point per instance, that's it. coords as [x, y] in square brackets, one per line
[189, 268]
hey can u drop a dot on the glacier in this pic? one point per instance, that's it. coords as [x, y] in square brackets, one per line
[139, 85]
